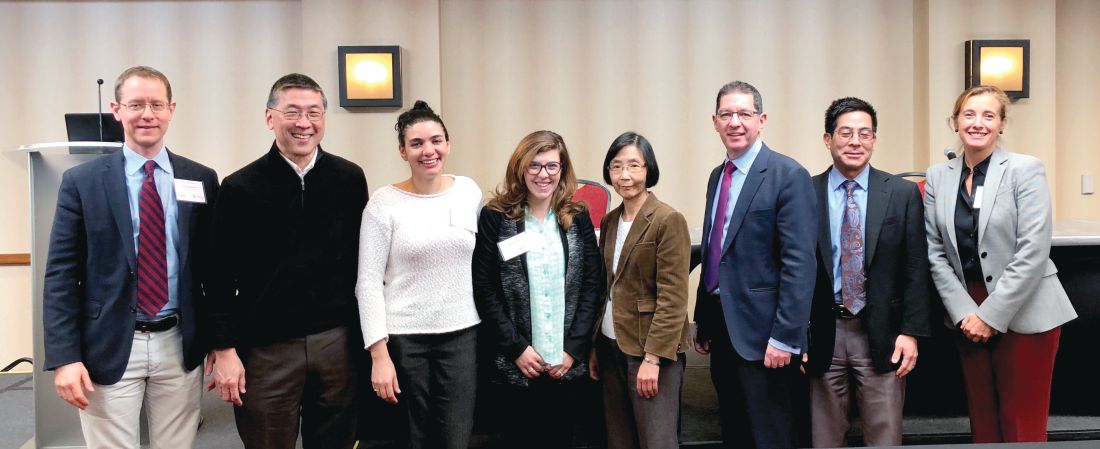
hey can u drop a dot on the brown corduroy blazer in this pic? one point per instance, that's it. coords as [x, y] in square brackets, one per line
[649, 290]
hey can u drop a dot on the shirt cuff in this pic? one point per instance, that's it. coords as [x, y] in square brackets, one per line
[778, 345]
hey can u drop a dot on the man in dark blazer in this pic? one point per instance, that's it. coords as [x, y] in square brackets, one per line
[754, 296]
[871, 299]
[123, 275]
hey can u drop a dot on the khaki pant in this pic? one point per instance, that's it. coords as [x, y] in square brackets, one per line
[154, 376]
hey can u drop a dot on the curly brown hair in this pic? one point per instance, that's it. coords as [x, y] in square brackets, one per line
[510, 198]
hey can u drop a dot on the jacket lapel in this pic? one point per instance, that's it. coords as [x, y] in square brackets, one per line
[114, 185]
[748, 190]
[949, 194]
[998, 162]
[184, 217]
[608, 240]
[878, 200]
[637, 229]
[824, 240]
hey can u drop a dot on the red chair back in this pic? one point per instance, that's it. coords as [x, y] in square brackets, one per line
[596, 198]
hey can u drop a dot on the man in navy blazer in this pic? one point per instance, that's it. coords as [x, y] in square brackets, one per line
[754, 297]
[119, 312]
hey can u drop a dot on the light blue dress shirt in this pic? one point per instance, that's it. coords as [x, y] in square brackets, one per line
[837, 200]
[546, 285]
[163, 176]
[737, 180]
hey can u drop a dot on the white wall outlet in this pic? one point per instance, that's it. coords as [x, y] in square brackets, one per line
[1088, 186]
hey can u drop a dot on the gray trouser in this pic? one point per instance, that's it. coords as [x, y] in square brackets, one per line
[879, 396]
[634, 421]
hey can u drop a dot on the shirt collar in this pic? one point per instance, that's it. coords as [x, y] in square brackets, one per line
[744, 162]
[982, 166]
[302, 171]
[836, 179]
[134, 161]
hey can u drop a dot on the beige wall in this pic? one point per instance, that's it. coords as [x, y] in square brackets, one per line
[498, 69]
[1077, 123]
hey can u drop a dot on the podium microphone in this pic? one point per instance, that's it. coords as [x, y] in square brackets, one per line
[100, 104]
[950, 153]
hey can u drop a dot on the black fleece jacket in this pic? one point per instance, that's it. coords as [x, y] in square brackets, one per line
[285, 251]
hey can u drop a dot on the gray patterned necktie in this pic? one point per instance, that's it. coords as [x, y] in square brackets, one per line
[852, 276]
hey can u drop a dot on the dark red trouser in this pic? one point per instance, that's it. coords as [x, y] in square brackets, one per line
[1008, 382]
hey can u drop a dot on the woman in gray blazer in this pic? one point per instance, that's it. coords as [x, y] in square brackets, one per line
[988, 217]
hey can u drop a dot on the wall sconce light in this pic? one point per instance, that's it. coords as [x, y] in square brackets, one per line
[370, 76]
[1002, 63]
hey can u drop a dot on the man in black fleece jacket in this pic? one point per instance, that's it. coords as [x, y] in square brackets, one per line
[282, 317]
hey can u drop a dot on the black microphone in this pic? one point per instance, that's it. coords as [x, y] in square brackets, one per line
[950, 153]
[100, 103]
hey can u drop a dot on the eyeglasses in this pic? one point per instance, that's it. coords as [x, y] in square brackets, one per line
[552, 168]
[140, 107]
[865, 135]
[295, 115]
[726, 116]
[633, 167]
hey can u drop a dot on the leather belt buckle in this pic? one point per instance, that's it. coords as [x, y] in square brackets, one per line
[842, 312]
[156, 326]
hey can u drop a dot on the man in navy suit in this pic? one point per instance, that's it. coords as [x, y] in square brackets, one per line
[123, 275]
[754, 297]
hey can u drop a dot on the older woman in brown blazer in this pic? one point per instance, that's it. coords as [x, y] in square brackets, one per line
[641, 338]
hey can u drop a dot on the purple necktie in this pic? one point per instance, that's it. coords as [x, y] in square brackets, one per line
[152, 278]
[717, 226]
[851, 255]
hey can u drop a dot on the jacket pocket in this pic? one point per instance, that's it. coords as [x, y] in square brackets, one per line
[92, 309]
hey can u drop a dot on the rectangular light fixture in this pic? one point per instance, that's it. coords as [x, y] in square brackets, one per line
[370, 76]
[1002, 63]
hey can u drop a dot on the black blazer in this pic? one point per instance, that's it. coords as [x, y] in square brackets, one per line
[502, 295]
[896, 266]
[88, 300]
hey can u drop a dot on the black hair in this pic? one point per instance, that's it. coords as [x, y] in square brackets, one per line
[652, 172]
[420, 112]
[845, 105]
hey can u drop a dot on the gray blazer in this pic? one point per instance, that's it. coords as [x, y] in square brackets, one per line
[1014, 233]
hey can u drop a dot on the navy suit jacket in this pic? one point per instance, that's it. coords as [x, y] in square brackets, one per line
[88, 301]
[767, 267]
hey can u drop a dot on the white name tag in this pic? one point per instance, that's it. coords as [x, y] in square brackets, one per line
[515, 246]
[464, 219]
[978, 196]
[189, 191]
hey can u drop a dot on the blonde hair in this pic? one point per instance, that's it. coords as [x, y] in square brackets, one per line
[510, 198]
[995, 91]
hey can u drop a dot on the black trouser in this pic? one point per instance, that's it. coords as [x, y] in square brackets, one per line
[541, 415]
[437, 374]
[308, 382]
[757, 405]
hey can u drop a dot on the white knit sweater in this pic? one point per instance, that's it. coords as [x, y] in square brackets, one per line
[414, 261]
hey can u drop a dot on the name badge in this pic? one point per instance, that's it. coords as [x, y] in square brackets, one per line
[515, 246]
[189, 191]
[978, 196]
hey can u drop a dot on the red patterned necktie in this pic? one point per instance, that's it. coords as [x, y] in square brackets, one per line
[717, 225]
[152, 278]
[852, 276]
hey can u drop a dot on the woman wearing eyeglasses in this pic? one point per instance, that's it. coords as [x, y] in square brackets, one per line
[416, 306]
[988, 217]
[537, 284]
[644, 330]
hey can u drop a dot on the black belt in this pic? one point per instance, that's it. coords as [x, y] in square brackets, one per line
[156, 326]
[842, 312]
